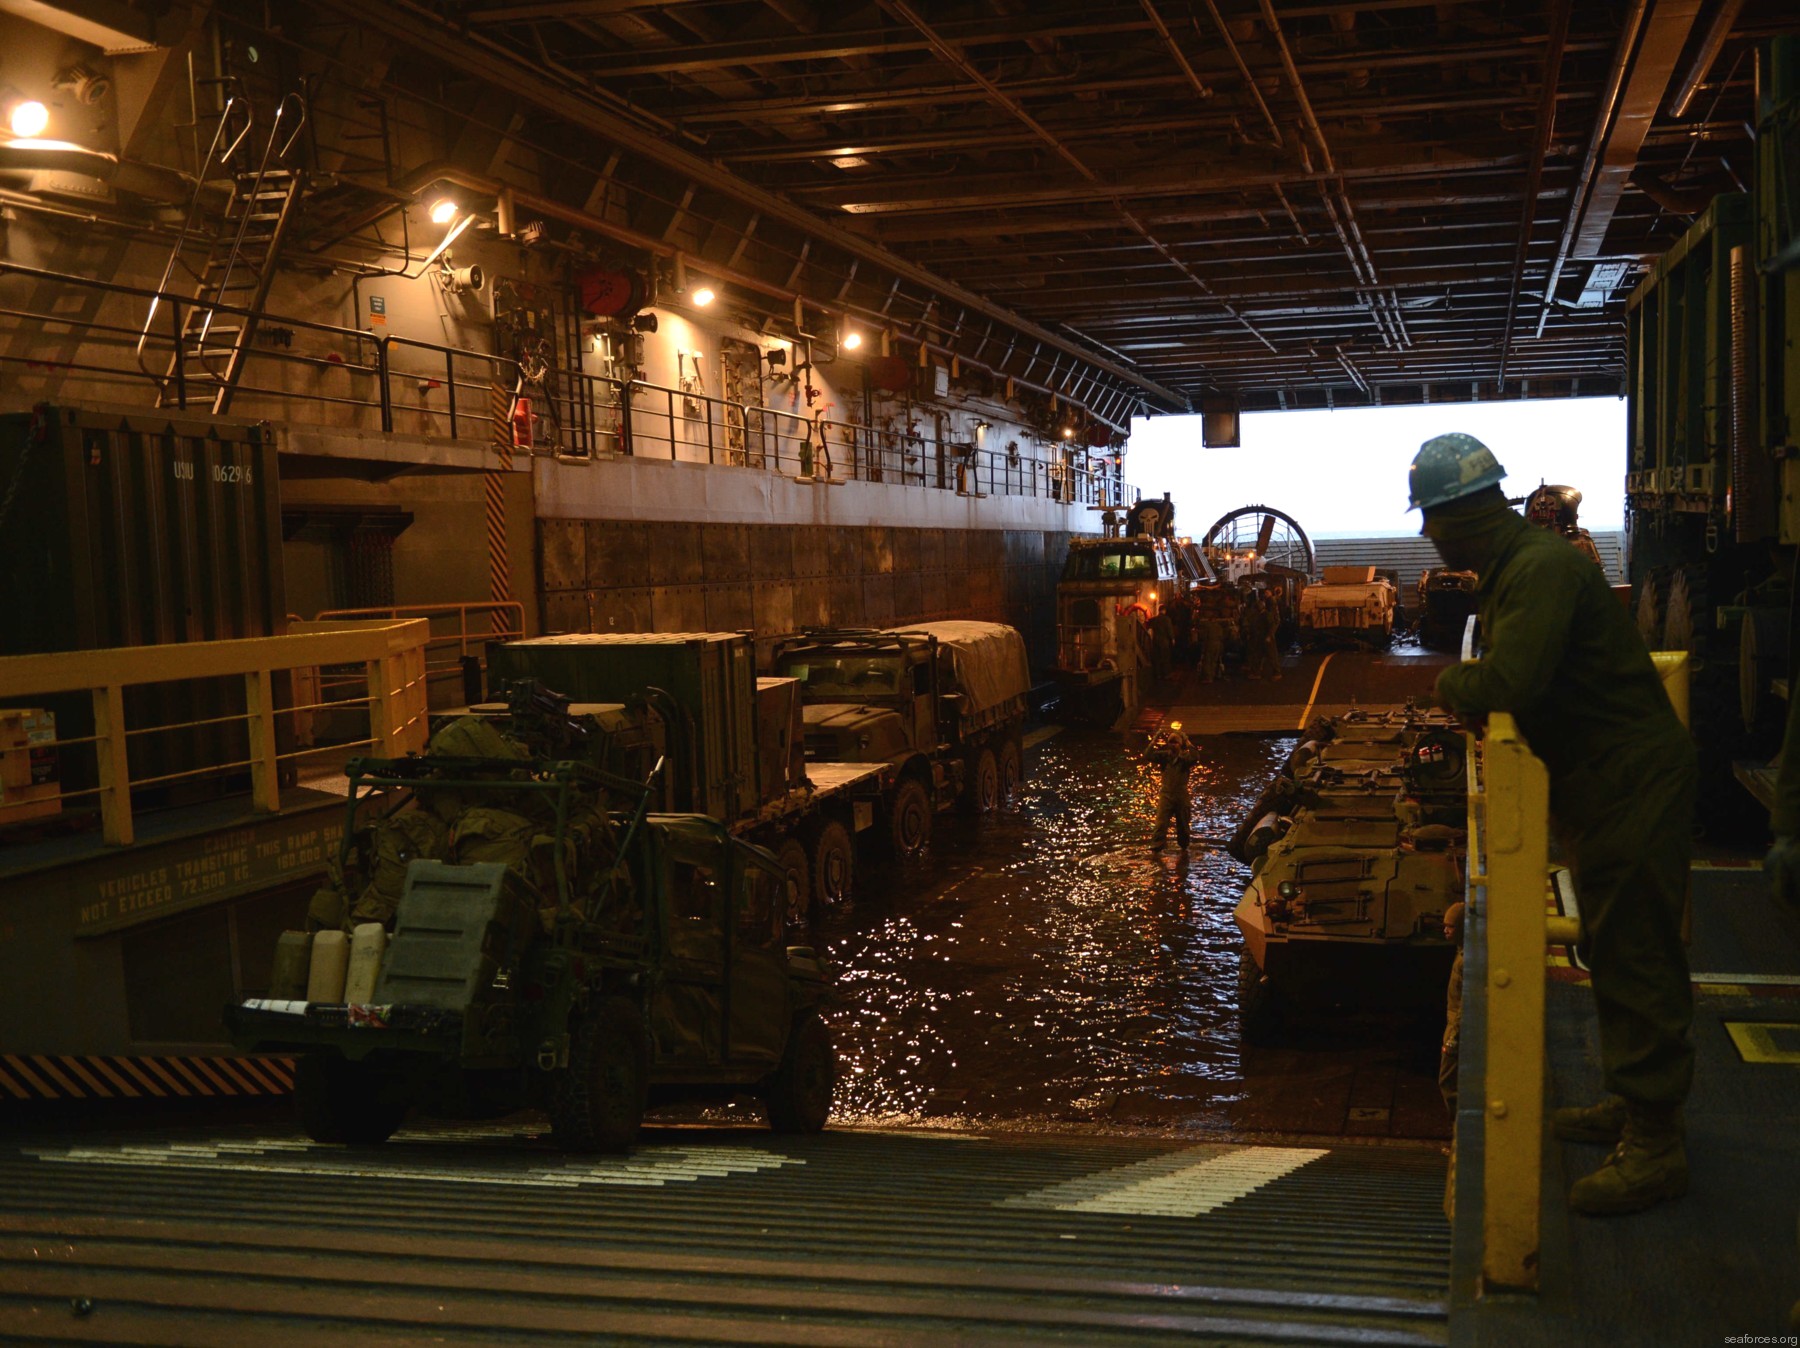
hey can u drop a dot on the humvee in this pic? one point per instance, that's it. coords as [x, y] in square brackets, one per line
[620, 959]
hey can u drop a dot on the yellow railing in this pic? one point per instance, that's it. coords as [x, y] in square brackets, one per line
[1509, 914]
[391, 654]
[457, 630]
[1509, 861]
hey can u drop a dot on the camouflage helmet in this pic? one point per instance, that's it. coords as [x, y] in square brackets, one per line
[1451, 466]
[474, 737]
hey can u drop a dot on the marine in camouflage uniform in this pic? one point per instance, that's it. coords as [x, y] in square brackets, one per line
[1175, 756]
[1566, 661]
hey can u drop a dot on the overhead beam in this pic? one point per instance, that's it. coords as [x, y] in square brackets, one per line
[1546, 126]
[1665, 34]
[836, 46]
[406, 23]
[560, 9]
[905, 198]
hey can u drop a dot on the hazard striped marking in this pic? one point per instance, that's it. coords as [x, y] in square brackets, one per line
[288, 1156]
[41, 1076]
[494, 491]
[1188, 1183]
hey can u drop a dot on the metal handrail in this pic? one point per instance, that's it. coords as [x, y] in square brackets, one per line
[872, 453]
[223, 284]
[392, 654]
[214, 156]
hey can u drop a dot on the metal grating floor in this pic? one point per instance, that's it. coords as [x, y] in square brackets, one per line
[717, 1236]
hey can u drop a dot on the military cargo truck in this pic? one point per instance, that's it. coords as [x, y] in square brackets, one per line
[1357, 848]
[939, 706]
[533, 945]
[1110, 590]
[734, 743]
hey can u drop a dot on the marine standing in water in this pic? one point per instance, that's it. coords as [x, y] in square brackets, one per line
[1567, 662]
[1175, 756]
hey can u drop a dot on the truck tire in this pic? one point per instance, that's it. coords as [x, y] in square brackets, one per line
[981, 782]
[833, 865]
[797, 1094]
[909, 818]
[1012, 771]
[345, 1103]
[596, 1103]
[1259, 1010]
[791, 857]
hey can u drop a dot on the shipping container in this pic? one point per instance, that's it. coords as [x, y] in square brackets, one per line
[710, 675]
[138, 531]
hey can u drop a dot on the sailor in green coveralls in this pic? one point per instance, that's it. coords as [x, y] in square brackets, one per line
[1564, 658]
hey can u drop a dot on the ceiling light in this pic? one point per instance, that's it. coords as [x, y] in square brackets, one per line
[443, 211]
[29, 119]
[852, 340]
[1068, 432]
[703, 296]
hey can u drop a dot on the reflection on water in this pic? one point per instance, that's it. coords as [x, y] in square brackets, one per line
[1047, 963]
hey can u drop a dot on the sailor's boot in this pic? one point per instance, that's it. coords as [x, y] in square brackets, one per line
[1603, 1122]
[1648, 1166]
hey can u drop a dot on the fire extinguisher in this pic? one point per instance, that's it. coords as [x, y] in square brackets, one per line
[521, 421]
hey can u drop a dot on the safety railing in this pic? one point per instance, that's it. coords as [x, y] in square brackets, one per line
[1505, 937]
[431, 389]
[647, 420]
[387, 658]
[458, 632]
[1513, 914]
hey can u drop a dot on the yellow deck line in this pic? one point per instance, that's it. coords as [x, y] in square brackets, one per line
[1314, 696]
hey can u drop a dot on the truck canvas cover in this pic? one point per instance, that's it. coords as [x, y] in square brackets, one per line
[989, 658]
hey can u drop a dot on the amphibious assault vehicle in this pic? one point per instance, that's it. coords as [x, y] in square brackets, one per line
[1356, 848]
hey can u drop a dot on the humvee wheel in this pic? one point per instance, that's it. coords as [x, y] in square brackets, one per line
[981, 782]
[833, 864]
[1259, 1012]
[798, 1092]
[597, 1102]
[1012, 771]
[791, 857]
[344, 1102]
[909, 818]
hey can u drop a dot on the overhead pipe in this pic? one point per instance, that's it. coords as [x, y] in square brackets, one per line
[952, 56]
[1703, 59]
[510, 200]
[589, 109]
[1590, 164]
[1243, 66]
[1162, 30]
[1546, 127]
[1362, 262]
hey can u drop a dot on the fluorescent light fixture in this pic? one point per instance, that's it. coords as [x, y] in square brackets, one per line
[29, 119]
